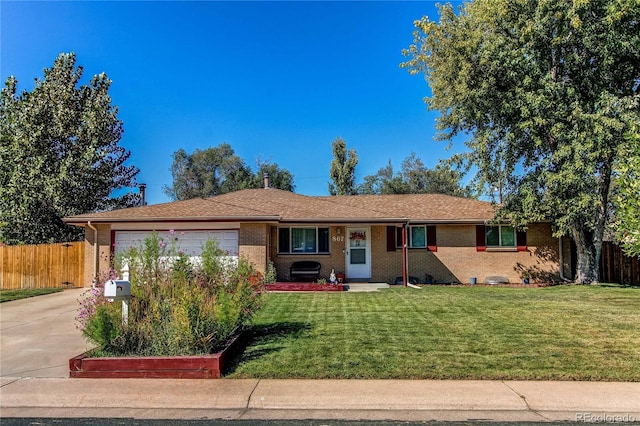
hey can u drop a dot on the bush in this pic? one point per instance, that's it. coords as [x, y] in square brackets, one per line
[180, 305]
[270, 275]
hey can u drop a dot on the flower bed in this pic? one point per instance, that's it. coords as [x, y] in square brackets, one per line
[158, 367]
[303, 287]
[182, 315]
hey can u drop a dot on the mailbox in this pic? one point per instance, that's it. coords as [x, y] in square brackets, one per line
[117, 289]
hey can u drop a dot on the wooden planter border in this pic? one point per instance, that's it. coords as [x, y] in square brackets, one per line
[158, 367]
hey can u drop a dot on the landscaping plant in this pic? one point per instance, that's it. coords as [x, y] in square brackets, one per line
[180, 305]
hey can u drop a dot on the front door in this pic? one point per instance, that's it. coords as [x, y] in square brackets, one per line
[358, 252]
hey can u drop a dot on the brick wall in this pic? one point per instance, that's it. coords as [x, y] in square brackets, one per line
[456, 259]
[334, 260]
[385, 265]
[253, 243]
[104, 252]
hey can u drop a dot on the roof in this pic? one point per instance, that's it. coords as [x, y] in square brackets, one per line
[422, 207]
[274, 205]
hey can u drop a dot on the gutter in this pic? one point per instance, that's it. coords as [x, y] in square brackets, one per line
[95, 253]
[78, 220]
[342, 220]
[81, 221]
[384, 220]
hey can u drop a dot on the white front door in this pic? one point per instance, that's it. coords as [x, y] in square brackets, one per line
[358, 252]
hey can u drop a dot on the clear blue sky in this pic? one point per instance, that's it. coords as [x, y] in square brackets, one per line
[276, 80]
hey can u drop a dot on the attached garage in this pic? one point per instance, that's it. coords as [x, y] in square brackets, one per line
[188, 241]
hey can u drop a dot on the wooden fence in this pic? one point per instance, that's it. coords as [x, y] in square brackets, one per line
[42, 266]
[616, 267]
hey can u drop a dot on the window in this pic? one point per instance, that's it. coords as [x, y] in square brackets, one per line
[416, 236]
[500, 236]
[303, 240]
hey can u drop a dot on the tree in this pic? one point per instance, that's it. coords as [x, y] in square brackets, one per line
[206, 173]
[443, 179]
[383, 182]
[278, 178]
[218, 170]
[627, 205]
[59, 155]
[415, 178]
[343, 169]
[546, 89]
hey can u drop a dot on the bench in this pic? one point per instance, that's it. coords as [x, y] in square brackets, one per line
[304, 269]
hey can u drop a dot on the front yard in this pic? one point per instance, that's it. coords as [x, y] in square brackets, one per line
[555, 333]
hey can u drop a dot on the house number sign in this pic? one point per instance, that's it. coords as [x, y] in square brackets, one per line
[338, 238]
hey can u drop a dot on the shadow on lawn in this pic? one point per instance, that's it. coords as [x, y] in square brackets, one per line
[268, 338]
[616, 285]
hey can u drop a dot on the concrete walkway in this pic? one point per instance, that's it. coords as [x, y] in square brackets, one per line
[38, 336]
[366, 287]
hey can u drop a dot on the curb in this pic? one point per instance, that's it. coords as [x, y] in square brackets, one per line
[402, 400]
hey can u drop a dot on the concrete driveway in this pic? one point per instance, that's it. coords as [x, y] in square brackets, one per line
[38, 335]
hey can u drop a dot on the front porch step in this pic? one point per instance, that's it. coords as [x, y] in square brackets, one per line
[366, 286]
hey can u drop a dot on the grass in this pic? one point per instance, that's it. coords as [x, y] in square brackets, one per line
[554, 333]
[9, 295]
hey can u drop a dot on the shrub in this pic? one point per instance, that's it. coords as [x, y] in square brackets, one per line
[180, 305]
[271, 275]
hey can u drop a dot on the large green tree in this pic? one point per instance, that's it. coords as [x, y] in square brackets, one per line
[627, 202]
[546, 89]
[415, 178]
[343, 169]
[218, 170]
[59, 154]
[278, 177]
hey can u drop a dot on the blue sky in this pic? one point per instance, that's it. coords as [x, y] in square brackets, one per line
[276, 80]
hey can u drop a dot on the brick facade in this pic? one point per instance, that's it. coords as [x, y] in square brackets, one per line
[455, 260]
[253, 244]
[103, 252]
[335, 259]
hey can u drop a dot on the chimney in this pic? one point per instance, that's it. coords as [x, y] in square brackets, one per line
[266, 180]
[143, 188]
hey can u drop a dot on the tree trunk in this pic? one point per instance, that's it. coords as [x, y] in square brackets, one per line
[589, 241]
[588, 249]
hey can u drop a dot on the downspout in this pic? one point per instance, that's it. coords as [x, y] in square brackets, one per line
[561, 259]
[405, 279]
[95, 253]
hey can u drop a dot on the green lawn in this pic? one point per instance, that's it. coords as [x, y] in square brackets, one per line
[558, 333]
[9, 295]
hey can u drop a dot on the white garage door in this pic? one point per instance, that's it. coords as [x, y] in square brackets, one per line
[189, 242]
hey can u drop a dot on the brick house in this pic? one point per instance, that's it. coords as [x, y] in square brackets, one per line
[447, 239]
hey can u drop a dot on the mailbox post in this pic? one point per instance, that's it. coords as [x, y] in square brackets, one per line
[119, 290]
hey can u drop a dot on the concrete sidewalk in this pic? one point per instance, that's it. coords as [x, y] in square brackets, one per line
[405, 400]
[38, 336]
